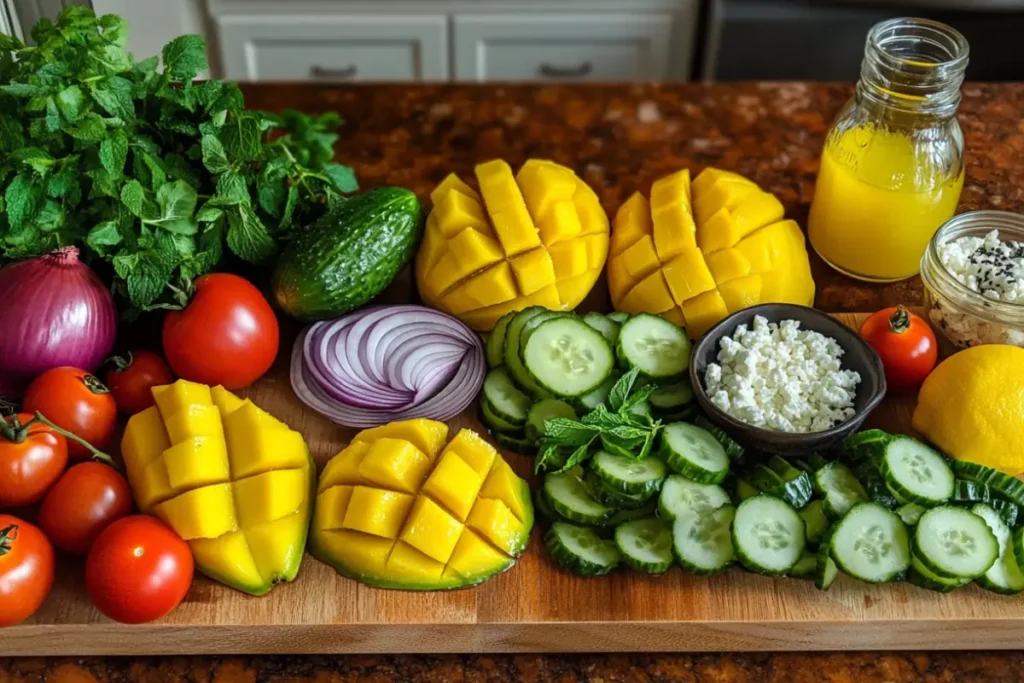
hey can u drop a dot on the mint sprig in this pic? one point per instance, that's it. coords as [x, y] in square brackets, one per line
[567, 443]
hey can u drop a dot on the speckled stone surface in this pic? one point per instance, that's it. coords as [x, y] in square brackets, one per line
[619, 138]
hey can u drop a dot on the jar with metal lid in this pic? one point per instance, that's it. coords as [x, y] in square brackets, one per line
[963, 261]
[893, 164]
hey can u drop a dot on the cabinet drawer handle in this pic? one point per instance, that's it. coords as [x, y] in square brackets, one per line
[549, 71]
[334, 74]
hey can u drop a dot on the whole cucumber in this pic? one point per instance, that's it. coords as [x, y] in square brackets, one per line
[349, 255]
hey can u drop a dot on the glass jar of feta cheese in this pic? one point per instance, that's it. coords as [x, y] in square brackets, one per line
[973, 274]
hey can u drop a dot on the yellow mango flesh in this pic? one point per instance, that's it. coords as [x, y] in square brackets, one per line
[466, 517]
[228, 478]
[539, 237]
[698, 251]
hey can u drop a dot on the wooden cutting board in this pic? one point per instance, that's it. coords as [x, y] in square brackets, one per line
[534, 607]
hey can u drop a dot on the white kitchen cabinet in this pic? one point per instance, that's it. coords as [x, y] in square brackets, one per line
[335, 47]
[562, 47]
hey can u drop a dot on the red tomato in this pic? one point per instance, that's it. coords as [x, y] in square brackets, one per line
[77, 402]
[26, 570]
[84, 502]
[133, 378]
[138, 570]
[226, 335]
[906, 344]
[31, 459]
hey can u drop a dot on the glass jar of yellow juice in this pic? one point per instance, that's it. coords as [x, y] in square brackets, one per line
[893, 164]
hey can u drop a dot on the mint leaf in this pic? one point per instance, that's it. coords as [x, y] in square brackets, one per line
[150, 170]
[71, 102]
[214, 158]
[114, 153]
[61, 183]
[102, 236]
[600, 417]
[147, 280]
[37, 158]
[247, 236]
[241, 138]
[115, 96]
[114, 58]
[185, 57]
[133, 196]
[342, 177]
[177, 202]
[52, 120]
[570, 432]
[11, 135]
[50, 216]
[627, 433]
[620, 391]
[22, 90]
[179, 168]
[271, 196]
[638, 396]
[22, 199]
[209, 214]
[290, 204]
[232, 189]
[550, 457]
[90, 128]
[115, 30]
[578, 456]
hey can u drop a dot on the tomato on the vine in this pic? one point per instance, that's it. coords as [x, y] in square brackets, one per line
[32, 458]
[75, 401]
[906, 345]
[85, 501]
[138, 570]
[227, 334]
[26, 569]
[133, 378]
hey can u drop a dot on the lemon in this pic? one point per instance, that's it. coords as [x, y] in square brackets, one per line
[972, 407]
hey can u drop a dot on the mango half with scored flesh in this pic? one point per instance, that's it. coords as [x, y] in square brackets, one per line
[539, 238]
[695, 253]
[398, 508]
[230, 479]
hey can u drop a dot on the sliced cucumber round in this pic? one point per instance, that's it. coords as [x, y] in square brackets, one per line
[916, 473]
[816, 522]
[495, 346]
[910, 513]
[923, 577]
[1009, 487]
[1010, 512]
[732, 449]
[618, 316]
[567, 357]
[703, 544]
[603, 324]
[670, 397]
[505, 399]
[967, 491]
[840, 488]
[871, 544]
[570, 498]
[955, 543]
[614, 498]
[768, 535]
[581, 551]
[495, 422]
[628, 475]
[544, 410]
[1004, 576]
[694, 453]
[681, 497]
[648, 509]
[587, 402]
[645, 544]
[805, 566]
[511, 351]
[654, 345]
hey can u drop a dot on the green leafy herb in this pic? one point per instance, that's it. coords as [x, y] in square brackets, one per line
[567, 443]
[149, 170]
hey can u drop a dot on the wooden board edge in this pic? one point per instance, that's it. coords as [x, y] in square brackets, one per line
[108, 639]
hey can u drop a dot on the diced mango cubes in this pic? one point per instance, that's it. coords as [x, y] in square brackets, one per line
[394, 524]
[716, 245]
[539, 237]
[228, 478]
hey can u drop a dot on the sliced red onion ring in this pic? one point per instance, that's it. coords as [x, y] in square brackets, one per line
[389, 363]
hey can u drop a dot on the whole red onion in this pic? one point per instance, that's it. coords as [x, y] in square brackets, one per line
[54, 311]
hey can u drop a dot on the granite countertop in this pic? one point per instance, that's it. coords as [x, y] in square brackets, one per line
[619, 138]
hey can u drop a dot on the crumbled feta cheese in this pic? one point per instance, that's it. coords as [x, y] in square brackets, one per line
[991, 268]
[777, 376]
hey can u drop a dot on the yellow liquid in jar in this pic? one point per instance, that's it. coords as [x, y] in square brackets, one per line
[875, 207]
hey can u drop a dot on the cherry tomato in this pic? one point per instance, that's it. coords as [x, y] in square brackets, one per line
[84, 502]
[26, 570]
[138, 570]
[75, 401]
[906, 345]
[133, 378]
[32, 458]
[226, 335]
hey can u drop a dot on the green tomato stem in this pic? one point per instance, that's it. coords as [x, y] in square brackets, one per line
[96, 453]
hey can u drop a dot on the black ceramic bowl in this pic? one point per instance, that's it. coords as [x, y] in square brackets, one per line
[859, 357]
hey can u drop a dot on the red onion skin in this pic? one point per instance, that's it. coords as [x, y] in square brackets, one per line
[54, 311]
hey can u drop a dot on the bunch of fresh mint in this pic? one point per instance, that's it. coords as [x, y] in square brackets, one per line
[567, 443]
[144, 168]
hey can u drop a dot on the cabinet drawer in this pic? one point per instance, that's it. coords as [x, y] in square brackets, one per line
[562, 47]
[334, 47]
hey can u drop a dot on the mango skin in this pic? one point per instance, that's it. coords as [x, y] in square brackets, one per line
[697, 252]
[536, 238]
[463, 517]
[230, 479]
